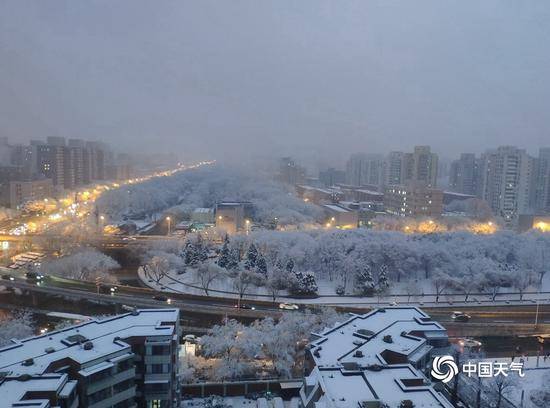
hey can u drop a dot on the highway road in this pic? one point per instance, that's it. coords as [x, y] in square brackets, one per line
[507, 320]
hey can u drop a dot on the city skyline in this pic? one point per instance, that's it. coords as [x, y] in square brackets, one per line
[209, 79]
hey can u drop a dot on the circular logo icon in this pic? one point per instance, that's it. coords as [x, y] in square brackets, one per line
[444, 368]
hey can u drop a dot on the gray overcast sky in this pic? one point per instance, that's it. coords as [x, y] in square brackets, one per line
[240, 77]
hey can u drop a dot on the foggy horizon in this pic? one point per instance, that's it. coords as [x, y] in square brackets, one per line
[318, 80]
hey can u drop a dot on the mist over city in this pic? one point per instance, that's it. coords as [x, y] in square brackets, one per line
[275, 204]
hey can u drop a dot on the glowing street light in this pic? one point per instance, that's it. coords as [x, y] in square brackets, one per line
[168, 219]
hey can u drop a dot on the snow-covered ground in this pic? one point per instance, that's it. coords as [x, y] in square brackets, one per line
[187, 283]
[537, 373]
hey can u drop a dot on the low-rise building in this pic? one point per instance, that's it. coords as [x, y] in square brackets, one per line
[230, 217]
[414, 200]
[203, 215]
[14, 194]
[338, 216]
[124, 361]
[375, 359]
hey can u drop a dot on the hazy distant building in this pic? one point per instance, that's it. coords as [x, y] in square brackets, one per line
[51, 163]
[542, 184]
[395, 169]
[413, 200]
[424, 166]
[465, 175]
[364, 169]
[331, 177]
[14, 194]
[290, 172]
[508, 182]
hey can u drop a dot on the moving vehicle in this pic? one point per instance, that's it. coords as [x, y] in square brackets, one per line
[470, 343]
[288, 306]
[34, 276]
[161, 298]
[8, 277]
[458, 316]
[245, 306]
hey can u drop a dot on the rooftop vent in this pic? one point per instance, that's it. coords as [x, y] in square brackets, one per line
[135, 312]
[74, 339]
[358, 353]
[28, 362]
[88, 345]
[373, 367]
[49, 350]
[24, 377]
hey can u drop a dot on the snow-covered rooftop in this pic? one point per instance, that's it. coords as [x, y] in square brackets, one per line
[336, 208]
[367, 358]
[15, 391]
[104, 334]
[203, 210]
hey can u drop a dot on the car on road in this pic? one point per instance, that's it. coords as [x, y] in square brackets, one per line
[8, 277]
[129, 239]
[288, 306]
[244, 306]
[34, 276]
[469, 343]
[458, 316]
[161, 298]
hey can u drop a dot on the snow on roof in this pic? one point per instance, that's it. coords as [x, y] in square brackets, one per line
[103, 334]
[362, 190]
[336, 208]
[13, 389]
[364, 341]
[202, 210]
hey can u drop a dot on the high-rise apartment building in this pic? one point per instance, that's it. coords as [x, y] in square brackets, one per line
[424, 166]
[465, 175]
[365, 170]
[395, 169]
[542, 185]
[508, 182]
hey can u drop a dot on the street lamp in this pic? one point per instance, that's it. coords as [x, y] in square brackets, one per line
[168, 219]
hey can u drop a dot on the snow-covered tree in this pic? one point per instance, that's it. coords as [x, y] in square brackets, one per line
[85, 264]
[540, 397]
[191, 255]
[261, 264]
[207, 274]
[251, 257]
[225, 253]
[157, 268]
[17, 326]
[383, 281]
[290, 265]
[364, 282]
[305, 283]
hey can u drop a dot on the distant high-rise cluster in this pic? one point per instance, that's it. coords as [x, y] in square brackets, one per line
[43, 168]
[510, 180]
[397, 168]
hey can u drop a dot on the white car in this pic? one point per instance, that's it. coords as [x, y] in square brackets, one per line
[288, 306]
[469, 343]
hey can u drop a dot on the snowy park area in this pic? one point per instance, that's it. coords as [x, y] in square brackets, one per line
[357, 267]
